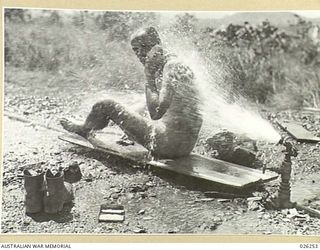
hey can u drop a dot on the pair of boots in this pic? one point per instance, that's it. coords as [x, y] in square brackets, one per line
[46, 191]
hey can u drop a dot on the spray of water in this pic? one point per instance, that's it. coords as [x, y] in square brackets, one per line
[217, 109]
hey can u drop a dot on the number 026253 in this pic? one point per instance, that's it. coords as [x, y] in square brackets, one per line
[309, 246]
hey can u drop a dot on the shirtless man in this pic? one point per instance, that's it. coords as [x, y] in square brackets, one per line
[172, 100]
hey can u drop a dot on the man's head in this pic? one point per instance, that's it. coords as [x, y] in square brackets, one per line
[143, 41]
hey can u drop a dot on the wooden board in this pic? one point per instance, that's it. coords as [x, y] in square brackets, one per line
[215, 170]
[298, 132]
[195, 165]
[107, 142]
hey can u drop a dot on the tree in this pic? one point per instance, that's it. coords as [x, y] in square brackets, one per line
[185, 24]
[120, 25]
[16, 15]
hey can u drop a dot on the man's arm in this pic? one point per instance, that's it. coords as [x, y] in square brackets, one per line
[165, 98]
[151, 89]
[152, 96]
[158, 104]
[159, 101]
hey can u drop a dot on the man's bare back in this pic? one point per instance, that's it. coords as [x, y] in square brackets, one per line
[172, 100]
[182, 120]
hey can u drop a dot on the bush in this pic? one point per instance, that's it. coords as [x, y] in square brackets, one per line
[85, 53]
[262, 63]
[268, 59]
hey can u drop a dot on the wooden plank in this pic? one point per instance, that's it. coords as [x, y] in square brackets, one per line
[298, 132]
[311, 211]
[215, 170]
[76, 139]
[107, 142]
[312, 109]
[193, 165]
[32, 123]
[214, 194]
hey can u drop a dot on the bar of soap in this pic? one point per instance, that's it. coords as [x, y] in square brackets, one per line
[111, 217]
[112, 211]
[111, 206]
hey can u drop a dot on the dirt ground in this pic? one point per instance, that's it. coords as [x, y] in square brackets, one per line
[154, 201]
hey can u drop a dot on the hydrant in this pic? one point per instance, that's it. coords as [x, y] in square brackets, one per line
[284, 193]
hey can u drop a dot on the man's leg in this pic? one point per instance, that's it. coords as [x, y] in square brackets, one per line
[137, 127]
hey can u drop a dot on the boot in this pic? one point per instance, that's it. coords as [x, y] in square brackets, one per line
[72, 173]
[33, 184]
[58, 192]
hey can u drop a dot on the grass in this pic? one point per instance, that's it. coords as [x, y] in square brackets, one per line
[66, 53]
[83, 55]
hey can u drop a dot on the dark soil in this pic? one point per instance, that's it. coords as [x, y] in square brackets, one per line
[154, 202]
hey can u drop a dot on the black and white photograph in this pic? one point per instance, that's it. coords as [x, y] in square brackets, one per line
[161, 122]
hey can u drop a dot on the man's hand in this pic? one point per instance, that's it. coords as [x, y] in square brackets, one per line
[158, 91]
[154, 66]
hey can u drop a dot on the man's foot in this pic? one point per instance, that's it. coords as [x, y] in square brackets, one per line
[74, 128]
[125, 141]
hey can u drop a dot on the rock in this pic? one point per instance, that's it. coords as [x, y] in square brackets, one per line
[117, 190]
[27, 221]
[141, 212]
[143, 195]
[254, 199]
[130, 196]
[217, 219]
[213, 227]
[173, 231]
[150, 184]
[228, 147]
[137, 188]
[266, 216]
[115, 196]
[14, 187]
[243, 157]
[222, 143]
[89, 178]
[301, 218]
[223, 200]
[206, 199]
[139, 230]
[20, 176]
[292, 213]
[253, 205]
[147, 218]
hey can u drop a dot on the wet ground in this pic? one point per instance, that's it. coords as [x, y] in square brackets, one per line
[155, 202]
